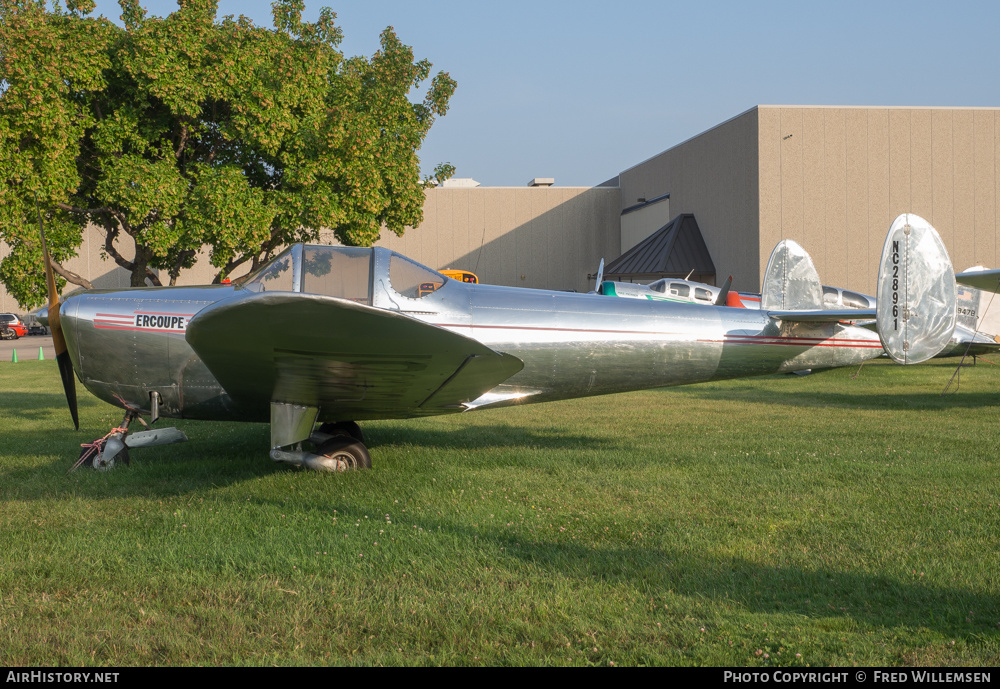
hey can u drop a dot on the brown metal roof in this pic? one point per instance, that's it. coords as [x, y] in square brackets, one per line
[674, 250]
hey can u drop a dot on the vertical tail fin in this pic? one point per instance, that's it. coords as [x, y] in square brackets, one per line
[916, 292]
[968, 302]
[791, 282]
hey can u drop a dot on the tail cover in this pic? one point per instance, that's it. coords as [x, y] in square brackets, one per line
[916, 292]
[791, 282]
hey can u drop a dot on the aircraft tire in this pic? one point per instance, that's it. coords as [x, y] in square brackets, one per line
[348, 451]
[349, 428]
[120, 459]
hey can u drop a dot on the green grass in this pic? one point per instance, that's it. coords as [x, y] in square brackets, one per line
[779, 521]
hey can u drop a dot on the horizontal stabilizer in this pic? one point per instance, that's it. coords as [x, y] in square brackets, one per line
[916, 292]
[985, 280]
[824, 316]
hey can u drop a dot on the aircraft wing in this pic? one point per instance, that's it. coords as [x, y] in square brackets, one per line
[823, 316]
[350, 360]
[985, 280]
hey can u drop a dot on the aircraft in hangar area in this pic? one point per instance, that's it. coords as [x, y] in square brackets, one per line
[967, 339]
[337, 335]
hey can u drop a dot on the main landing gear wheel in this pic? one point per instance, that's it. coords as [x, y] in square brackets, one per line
[343, 428]
[348, 453]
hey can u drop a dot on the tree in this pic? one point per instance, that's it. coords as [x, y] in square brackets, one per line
[187, 131]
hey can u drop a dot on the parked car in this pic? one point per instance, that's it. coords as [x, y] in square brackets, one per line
[11, 327]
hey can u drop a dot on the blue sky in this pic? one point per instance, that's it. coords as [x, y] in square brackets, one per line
[581, 90]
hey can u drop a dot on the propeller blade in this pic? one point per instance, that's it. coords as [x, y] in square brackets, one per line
[58, 340]
[724, 292]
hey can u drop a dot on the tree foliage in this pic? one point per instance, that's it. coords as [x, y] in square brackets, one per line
[187, 131]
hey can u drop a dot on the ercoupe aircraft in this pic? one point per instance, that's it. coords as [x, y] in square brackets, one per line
[338, 335]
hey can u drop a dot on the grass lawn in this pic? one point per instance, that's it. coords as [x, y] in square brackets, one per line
[779, 521]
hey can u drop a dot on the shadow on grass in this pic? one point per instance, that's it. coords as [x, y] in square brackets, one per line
[486, 436]
[35, 406]
[838, 596]
[223, 453]
[867, 400]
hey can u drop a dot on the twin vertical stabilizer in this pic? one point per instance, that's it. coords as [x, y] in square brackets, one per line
[916, 292]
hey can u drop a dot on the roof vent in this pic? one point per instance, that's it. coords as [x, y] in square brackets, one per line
[460, 183]
[542, 182]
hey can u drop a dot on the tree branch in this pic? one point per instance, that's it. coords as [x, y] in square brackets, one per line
[105, 210]
[180, 146]
[111, 233]
[175, 270]
[70, 276]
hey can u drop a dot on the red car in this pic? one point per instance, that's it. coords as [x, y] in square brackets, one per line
[11, 327]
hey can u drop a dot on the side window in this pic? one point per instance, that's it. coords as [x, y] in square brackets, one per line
[680, 289]
[343, 272]
[702, 294]
[412, 279]
[830, 295]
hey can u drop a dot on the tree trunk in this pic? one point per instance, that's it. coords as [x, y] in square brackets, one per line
[140, 267]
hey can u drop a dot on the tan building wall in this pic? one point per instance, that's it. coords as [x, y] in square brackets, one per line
[833, 179]
[639, 223]
[88, 263]
[714, 176]
[540, 237]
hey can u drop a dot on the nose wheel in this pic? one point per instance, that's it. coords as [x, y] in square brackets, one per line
[110, 451]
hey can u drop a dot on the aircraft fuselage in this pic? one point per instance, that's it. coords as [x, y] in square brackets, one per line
[127, 344]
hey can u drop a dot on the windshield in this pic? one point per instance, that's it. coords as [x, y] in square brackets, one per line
[343, 272]
[334, 271]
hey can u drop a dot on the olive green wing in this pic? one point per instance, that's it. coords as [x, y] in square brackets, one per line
[351, 360]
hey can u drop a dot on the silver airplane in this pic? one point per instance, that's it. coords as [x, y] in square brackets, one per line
[336, 335]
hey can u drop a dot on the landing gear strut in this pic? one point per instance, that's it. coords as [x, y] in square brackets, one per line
[113, 449]
[107, 452]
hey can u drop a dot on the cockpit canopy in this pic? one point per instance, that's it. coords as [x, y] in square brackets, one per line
[343, 272]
